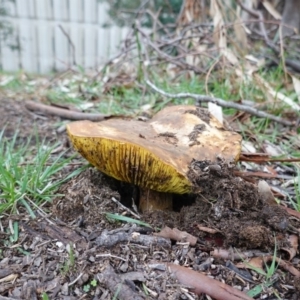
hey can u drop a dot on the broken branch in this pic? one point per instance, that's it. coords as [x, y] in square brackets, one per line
[64, 113]
[221, 102]
[177, 235]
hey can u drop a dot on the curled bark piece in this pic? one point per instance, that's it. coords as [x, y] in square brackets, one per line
[177, 235]
[233, 255]
[64, 113]
[202, 284]
[121, 289]
[109, 239]
[207, 229]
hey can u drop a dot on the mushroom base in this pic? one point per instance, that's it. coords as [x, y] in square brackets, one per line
[152, 200]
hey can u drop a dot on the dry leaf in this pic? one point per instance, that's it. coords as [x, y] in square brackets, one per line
[9, 278]
[265, 193]
[177, 235]
[254, 262]
[292, 250]
[219, 30]
[248, 146]
[296, 83]
[258, 262]
[216, 111]
[271, 149]
[271, 9]
[240, 30]
[201, 284]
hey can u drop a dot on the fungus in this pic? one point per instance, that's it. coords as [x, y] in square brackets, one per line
[155, 155]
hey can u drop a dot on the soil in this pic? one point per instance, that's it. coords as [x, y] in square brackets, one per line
[78, 251]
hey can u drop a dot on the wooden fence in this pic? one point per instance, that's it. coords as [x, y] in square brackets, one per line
[44, 29]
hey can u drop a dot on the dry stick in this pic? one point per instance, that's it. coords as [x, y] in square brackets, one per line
[257, 14]
[70, 42]
[167, 57]
[223, 103]
[64, 113]
[124, 207]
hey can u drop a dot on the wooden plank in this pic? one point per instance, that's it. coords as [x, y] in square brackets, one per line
[103, 33]
[103, 44]
[77, 37]
[115, 37]
[9, 59]
[61, 10]
[28, 46]
[103, 17]
[90, 11]
[90, 42]
[43, 9]
[46, 59]
[45, 46]
[61, 48]
[76, 13]
[25, 9]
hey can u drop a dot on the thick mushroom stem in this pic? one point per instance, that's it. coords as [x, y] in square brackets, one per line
[151, 200]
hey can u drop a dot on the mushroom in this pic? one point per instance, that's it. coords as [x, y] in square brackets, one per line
[155, 155]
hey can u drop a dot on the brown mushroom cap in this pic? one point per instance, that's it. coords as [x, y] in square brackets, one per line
[155, 154]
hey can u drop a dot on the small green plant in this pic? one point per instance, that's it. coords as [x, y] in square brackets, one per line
[94, 283]
[28, 175]
[117, 292]
[117, 217]
[70, 263]
[87, 287]
[45, 296]
[268, 275]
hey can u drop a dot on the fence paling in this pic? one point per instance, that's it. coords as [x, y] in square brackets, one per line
[45, 47]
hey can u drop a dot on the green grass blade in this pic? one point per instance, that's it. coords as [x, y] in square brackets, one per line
[117, 217]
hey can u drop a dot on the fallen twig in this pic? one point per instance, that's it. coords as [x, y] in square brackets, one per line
[221, 102]
[125, 208]
[232, 254]
[263, 158]
[260, 174]
[177, 235]
[110, 238]
[64, 113]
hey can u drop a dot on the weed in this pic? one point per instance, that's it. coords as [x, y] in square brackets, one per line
[268, 275]
[45, 296]
[117, 217]
[87, 287]
[28, 175]
[69, 264]
[296, 201]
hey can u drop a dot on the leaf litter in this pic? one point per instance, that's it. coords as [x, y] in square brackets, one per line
[63, 251]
